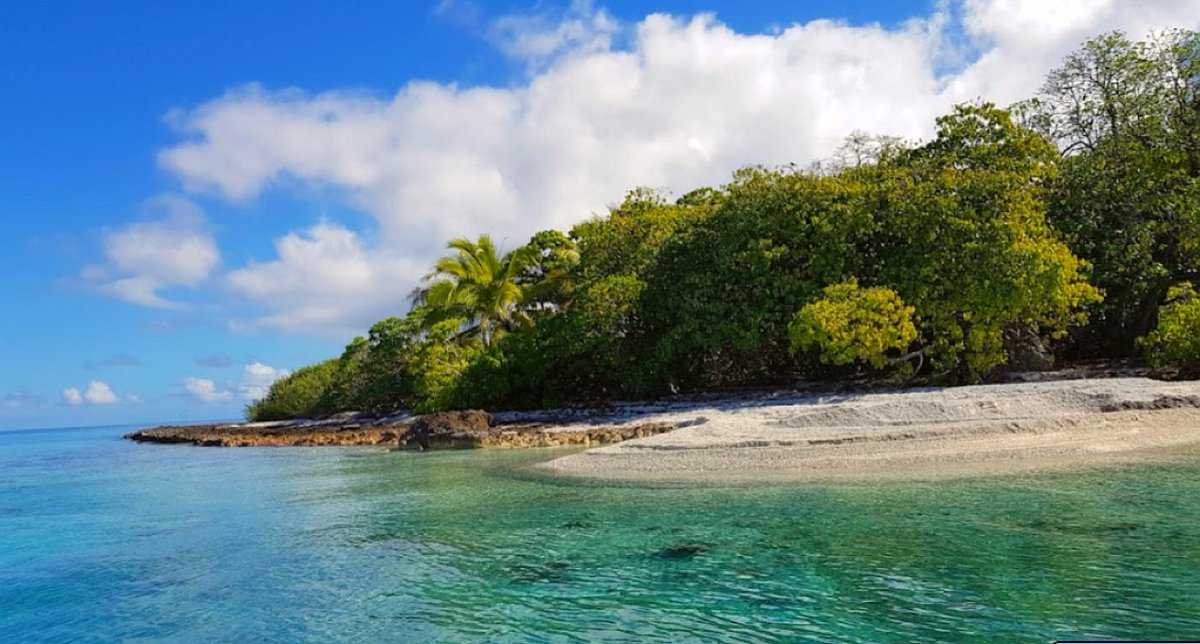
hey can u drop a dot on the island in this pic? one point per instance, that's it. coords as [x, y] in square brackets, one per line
[859, 318]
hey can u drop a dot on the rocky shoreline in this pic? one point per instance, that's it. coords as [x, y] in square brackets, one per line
[883, 434]
[443, 430]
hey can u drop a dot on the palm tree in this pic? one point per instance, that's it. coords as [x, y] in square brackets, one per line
[477, 284]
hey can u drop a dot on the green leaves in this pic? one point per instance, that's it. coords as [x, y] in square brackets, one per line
[1176, 339]
[296, 395]
[478, 285]
[1126, 199]
[853, 324]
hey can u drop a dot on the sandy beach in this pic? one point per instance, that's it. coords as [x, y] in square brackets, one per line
[917, 434]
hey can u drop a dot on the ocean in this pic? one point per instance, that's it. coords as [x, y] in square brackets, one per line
[102, 539]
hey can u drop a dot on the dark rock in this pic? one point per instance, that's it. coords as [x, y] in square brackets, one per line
[681, 551]
[1158, 402]
[1026, 351]
[449, 429]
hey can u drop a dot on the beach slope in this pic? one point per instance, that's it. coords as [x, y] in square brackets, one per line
[915, 434]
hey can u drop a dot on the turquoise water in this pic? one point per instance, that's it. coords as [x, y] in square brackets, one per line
[102, 539]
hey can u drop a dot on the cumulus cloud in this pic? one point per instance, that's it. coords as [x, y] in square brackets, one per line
[72, 396]
[325, 278]
[205, 390]
[96, 393]
[99, 393]
[674, 103]
[256, 379]
[145, 257]
[1023, 39]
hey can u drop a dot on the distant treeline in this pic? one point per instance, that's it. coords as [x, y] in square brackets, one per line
[1066, 226]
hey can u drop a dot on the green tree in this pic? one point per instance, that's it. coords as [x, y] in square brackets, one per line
[961, 234]
[1108, 90]
[1127, 199]
[373, 372]
[549, 279]
[956, 227]
[478, 285]
[720, 293]
[629, 239]
[588, 353]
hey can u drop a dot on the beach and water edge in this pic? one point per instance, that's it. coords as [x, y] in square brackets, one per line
[903, 434]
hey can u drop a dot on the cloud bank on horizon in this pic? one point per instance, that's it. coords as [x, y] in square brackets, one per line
[669, 102]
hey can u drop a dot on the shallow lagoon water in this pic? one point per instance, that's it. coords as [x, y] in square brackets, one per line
[102, 539]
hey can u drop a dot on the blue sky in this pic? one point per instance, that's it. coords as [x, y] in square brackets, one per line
[197, 197]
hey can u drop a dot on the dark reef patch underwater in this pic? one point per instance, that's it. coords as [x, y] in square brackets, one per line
[103, 539]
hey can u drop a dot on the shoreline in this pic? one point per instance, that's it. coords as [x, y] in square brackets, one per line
[787, 435]
[921, 434]
[470, 429]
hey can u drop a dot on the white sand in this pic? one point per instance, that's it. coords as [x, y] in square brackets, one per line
[913, 434]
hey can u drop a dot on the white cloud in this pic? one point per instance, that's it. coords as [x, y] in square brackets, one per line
[72, 396]
[1027, 38]
[96, 393]
[686, 102]
[538, 39]
[144, 257]
[324, 278]
[256, 380]
[205, 390]
[99, 393]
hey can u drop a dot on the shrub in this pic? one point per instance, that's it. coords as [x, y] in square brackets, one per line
[295, 396]
[1175, 342]
[853, 324]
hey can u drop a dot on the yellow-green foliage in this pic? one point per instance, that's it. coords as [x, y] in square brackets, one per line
[956, 227]
[854, 324]
[1176, 340]
[629, 240]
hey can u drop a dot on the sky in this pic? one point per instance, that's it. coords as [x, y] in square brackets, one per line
[198, 197]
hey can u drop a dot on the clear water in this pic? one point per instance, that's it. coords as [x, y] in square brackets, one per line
[102, 539]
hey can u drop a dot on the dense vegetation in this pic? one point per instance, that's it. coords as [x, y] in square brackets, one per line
[1068, 225]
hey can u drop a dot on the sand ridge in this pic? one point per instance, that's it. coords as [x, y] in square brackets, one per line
[921, 434]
